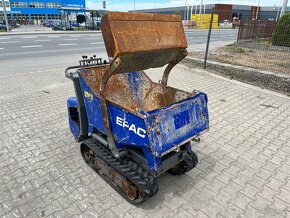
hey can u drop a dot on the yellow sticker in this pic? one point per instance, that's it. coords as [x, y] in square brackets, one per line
[89, 96]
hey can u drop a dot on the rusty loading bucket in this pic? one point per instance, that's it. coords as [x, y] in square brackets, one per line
[143, 41]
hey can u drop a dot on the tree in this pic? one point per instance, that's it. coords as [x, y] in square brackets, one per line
[281, 34]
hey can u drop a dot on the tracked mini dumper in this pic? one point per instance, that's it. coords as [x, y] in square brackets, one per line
[132, 129]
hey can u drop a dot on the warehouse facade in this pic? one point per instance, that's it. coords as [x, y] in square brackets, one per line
[25, 11]
[225, 11]
[7, 6]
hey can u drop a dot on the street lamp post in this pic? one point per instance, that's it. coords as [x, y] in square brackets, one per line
[93, 20]
[257, 12]
[5, 16]
[278, 11]
[284, 5]
[184, 16]
[191, 12]
[187, 14]
[104, 5]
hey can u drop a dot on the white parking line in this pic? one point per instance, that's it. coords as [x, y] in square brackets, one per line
[5, 38]
[73, 39]
[42, 40]
[91, 38]
[53, 36]
[9, 42]
[1, 48]
[67, 44]
[31, 46]
[29, 37]
[94, 43]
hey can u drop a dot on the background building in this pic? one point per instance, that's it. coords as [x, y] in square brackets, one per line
[225, 11]
[7, 4]
[29, 11]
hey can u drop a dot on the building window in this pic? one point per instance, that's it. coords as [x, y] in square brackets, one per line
[53, 17]
[37, 16]
[6, 4]
[52, 5]
[19, 4]
[21, 18]
[36, 4]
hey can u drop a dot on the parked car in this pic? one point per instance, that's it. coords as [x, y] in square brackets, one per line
[62, 27]
[48, 23]
[93, 25]
[3, 27]
[74, 24]
[13, 24]
[56, 27]
[82, 24]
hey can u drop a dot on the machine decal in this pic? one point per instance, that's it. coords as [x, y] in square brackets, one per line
[132, 127]
[89, 96]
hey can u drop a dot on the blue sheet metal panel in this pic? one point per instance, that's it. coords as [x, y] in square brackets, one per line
[136, 81]
[72, 103]
[128, 129]
[93, 108]
[181, 119]
[153, 161]
[34, 10]
[177, 123]
[131, 130]
[80, 4]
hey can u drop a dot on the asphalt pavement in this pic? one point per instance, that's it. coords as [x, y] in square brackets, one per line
[47, 45]
[28, 53]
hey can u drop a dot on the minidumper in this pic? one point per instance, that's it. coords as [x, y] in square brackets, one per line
[132, 130]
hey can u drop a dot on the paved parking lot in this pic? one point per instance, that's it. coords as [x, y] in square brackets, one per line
[244, 168]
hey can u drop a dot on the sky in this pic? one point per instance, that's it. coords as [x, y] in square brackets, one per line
[126, 5]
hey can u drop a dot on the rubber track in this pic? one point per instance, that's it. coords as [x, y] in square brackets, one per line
[146, 183]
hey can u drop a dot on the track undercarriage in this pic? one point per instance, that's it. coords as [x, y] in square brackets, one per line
[128, 178]
[125, 176]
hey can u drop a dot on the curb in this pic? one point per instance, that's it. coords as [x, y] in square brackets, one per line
[48, 32]
[262, 46]
[263, 79]
[67, 32]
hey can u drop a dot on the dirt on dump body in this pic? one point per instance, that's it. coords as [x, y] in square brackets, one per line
[142, 94]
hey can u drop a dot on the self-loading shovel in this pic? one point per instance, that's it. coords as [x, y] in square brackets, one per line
[133, 129]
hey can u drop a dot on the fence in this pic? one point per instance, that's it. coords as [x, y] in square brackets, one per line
[252, 30]
[253, 46]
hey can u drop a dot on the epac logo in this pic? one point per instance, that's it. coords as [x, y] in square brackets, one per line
[132, 127]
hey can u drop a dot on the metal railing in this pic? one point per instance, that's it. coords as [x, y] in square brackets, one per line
[253, 47]
[251, 30]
